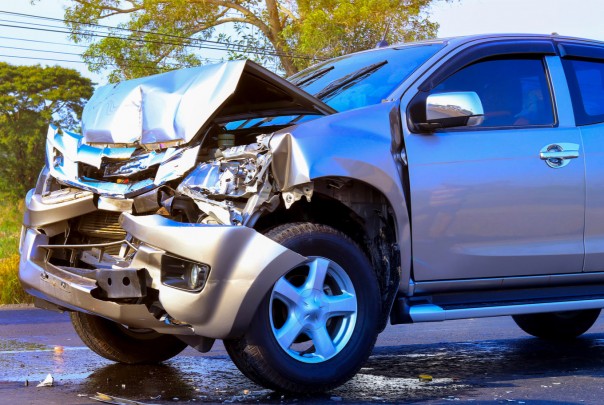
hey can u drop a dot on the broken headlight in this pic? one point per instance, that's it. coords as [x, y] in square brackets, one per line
[234, 174]
[221, 178]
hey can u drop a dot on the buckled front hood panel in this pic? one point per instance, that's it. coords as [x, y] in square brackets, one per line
[67, 155]
[173, 107]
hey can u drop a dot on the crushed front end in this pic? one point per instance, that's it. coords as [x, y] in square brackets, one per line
[149, 223]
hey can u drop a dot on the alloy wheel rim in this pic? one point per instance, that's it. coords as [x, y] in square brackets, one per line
[313, 310]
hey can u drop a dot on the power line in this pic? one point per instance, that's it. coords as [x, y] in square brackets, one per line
[109, 36]
[39, 50]
[28, 23]
[130, 39]
[43, 42]
[246, 48]
[186, 43]
[44, 59]
[82, 62]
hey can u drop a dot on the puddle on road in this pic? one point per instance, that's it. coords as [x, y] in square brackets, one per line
[390, 375]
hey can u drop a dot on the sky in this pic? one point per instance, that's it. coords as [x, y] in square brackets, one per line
[580, 18]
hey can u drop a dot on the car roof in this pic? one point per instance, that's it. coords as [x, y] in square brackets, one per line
[459, 40]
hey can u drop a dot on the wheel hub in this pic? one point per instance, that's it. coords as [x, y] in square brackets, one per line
[313, 319]
[312, 310]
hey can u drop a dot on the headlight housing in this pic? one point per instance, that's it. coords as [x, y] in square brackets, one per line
[184, 274]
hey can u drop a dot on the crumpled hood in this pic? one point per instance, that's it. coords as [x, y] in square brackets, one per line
[173, 107]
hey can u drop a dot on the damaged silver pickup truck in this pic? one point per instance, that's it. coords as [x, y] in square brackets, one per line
[293, 219]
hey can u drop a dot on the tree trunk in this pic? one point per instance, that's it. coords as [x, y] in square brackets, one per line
[275, 27]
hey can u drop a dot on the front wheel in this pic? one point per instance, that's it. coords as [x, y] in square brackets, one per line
[557, 325]
[318, 324]
[119, 343]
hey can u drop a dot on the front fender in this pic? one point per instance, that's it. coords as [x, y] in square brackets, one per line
[355, 144]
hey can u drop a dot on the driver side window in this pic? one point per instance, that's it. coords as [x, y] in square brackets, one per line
[514, 92]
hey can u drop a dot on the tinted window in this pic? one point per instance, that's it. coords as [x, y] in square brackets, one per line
[586, 80]
[514, 92]
[365, 89]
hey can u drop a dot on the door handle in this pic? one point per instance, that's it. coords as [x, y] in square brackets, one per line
[557, 155]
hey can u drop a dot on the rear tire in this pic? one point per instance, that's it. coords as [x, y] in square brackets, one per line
[118, 343]
[316, 327]
[557, 325]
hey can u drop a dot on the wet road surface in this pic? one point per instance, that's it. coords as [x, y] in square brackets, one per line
[478, 361]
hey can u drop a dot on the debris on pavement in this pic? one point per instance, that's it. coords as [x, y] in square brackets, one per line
[48, 382]
[108, 399]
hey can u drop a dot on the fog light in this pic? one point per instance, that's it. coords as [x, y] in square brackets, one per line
[183, 274]
[196, 275]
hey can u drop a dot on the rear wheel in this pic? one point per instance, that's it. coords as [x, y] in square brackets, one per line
[557, 325]
[119, 343]
[318, 324]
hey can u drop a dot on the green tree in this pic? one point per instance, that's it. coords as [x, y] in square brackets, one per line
[32, 97]
[158, 35]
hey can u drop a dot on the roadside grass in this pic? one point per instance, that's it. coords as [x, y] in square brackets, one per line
[11, 213]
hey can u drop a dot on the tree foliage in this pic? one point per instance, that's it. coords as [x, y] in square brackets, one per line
[32, 97]
[157, 35]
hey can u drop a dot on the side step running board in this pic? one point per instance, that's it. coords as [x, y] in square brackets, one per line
[435, 313]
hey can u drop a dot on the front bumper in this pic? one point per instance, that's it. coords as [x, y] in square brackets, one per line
[72, 291]
[244, 266]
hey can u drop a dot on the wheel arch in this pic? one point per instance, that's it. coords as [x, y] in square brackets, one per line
[355, 145]
[360, 211]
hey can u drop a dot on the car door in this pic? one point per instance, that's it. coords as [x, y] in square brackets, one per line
[505, 198]
[584, 68]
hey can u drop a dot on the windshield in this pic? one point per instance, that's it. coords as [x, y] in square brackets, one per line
[365, 78]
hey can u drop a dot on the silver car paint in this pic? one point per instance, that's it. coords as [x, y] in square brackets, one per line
[594, 204]
[43, 211]
[173, 107]
[239, 277]
[466, 250]
[72, 149]
[359, 147]
[68, 290]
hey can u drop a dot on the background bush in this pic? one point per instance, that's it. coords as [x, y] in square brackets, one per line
[11, 213]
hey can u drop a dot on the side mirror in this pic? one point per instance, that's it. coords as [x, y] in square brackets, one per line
[455, 109]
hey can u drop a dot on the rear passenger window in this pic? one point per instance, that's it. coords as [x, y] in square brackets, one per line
[586, 82]
[514, 92]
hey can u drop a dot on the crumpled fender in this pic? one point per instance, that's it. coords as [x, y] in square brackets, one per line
[354, 144]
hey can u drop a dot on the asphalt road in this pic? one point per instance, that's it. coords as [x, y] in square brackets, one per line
[477, 361]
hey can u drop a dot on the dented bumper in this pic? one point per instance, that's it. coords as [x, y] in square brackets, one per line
[243, 264]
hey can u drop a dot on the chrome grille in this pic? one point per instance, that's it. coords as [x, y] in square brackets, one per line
[101, 225]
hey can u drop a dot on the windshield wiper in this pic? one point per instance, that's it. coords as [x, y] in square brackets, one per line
[313, 76]
[349, 78]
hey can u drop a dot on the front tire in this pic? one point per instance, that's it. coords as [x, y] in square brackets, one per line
[557, 325]
[316, 327]
[118, 343]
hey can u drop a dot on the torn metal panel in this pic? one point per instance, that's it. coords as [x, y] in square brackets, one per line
[294, 194]
[235, 174]
[175, 106]
[113, 172]
[289, 164]
[218, 187]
